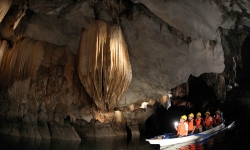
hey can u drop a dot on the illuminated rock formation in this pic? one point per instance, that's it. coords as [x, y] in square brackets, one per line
[12, 18]
[21, 62]
[3, 48]
[103, 64]
[165, 100]
[38, 79]
[4, 7]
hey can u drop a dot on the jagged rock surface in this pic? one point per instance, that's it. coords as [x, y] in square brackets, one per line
[168, 41]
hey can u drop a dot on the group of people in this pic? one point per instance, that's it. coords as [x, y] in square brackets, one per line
[191, 125]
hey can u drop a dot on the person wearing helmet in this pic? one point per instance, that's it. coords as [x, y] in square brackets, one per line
[217, 118]
[208, 121]
[191, 124]
[199, 122]
[182, 127]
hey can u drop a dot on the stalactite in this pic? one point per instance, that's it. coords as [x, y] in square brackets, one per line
[4, 7]
[104, 67]
[20, 62]
[20, 13]
[3, 49]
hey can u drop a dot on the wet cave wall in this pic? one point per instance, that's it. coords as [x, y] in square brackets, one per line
[236, 106]
[93, 68]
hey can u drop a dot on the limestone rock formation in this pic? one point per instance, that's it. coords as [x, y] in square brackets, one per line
[38, 79]
[4, 7]
[50, 87]
[104, 67]
[171, 55]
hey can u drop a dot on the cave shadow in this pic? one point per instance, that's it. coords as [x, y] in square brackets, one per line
[162, 121]
[243, 72]
[201, 98]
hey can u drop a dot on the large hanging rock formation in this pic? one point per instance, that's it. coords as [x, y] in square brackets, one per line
[104, 67]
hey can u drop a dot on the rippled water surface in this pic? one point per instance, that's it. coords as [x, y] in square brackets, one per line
[235, 138]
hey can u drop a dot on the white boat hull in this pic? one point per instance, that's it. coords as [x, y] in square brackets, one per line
[188, 139]
[173, 141]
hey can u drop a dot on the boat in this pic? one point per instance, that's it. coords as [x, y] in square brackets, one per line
[166, 140]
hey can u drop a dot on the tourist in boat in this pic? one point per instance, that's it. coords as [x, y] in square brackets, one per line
[199, 122]
[221, 116]
[208, 121]
[217, 118]
[191, 124]
[182, 127]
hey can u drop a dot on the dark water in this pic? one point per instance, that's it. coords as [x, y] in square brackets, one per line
[233, 139]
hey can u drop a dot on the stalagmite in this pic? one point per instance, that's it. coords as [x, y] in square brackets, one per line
[4, 7]
[103, 65]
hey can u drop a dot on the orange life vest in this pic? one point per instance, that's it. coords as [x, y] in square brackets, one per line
[207, 121]
[191, 125]
[199, 122]
[181, 129]
[216, 119]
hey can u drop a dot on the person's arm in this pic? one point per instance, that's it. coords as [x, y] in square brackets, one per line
[219, 120]
[186, 132]
[194, 124]
[176, 127]
[201, 124]
[211, 121]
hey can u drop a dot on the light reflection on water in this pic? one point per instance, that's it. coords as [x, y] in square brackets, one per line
[192, 147]
[227, 140]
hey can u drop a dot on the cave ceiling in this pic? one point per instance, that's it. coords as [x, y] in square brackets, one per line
[167, 40]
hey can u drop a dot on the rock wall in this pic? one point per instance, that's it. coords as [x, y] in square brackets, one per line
[167, 42]
[37, 79]
[42, 96]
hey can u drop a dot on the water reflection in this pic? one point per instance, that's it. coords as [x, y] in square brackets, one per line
[217, 142]
[207, 144]
[192, 147]
[116, 144]
[15, 143]
[225, 140]
[104, 143]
